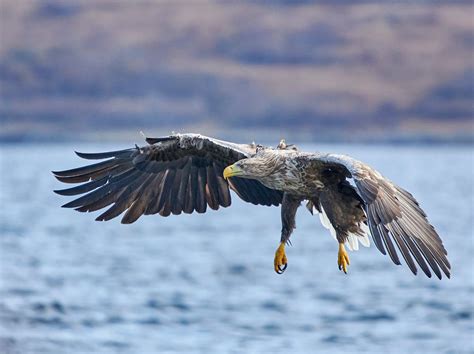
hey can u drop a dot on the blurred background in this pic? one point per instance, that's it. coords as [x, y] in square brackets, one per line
[383, 71]
[388, 82]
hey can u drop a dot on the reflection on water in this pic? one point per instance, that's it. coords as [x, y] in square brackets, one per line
[205, 283]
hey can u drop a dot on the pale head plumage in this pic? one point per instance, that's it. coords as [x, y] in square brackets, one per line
[260, 165]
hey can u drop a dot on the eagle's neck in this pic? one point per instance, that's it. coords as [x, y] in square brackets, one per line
[286, 172]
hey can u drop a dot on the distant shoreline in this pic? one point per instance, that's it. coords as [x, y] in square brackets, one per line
[263, 137]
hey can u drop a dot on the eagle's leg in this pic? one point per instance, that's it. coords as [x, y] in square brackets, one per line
[288, 212]
[342, 258]
[341, 206]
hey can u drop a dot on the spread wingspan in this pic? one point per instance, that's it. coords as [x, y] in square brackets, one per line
[173, 174]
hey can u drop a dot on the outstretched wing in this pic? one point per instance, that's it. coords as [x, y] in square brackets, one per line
[173, 174]
[393, 215]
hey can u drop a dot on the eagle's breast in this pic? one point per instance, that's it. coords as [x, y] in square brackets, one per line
[294, 174]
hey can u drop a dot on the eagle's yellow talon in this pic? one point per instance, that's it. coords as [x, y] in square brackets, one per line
[281, 262]
[342, 258]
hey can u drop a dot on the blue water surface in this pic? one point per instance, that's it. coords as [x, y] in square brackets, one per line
[205, 283]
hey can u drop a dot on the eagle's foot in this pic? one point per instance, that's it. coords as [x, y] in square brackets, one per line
[281, 262]
[342, 258]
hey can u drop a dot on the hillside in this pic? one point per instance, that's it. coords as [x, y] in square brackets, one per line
[378, 71]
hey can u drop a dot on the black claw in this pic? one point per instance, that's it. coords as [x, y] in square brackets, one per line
[281, 270]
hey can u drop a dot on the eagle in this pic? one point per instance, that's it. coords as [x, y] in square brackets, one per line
[186, 173]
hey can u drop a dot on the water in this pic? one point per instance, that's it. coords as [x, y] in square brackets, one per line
[205, 283]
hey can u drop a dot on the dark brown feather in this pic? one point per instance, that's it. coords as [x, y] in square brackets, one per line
[105, 155]
[191, 191]
[99, 193]
[222, 186]
[402, 246]
[212, 193]
[104, 201]
[168, 180]
[84, 170]
[123, 202]
[183, 184]
[154, 202]
[83, 188]
[184, 174]
[201, 203]
[138, 207]
[176, 206]
[166, 210]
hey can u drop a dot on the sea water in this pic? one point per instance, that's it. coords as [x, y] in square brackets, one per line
[205, 283]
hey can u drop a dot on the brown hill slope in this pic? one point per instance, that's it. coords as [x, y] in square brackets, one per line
[317, 69]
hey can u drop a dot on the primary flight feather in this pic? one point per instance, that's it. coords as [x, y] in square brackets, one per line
[190, 172]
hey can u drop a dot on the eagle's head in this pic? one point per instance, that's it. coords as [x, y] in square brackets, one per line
[260, 165]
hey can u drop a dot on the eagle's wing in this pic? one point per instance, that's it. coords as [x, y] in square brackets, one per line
[393, 214]
[173, 174]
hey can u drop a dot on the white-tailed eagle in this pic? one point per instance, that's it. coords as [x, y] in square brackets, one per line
[183, 173]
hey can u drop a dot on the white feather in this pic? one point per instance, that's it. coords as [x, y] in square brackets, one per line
[326, 223]
[364, 240]
[333, 232]
[352, 242]
[324, 218]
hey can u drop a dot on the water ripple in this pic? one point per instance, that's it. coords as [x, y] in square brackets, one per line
[205, 283]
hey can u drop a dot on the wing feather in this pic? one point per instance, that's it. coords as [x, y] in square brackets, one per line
[212, 193]
[401, 244]
[183, 173]
[201, 204]
[99, 193]
[191, 201]
[394, 215]
[83, 188]
[164, 197]
[376, 236]
[152, 207]
[138, 207]
[222, 187]
[86, 170]
[175, 202]
[183, 185]
[124, 201]
[104, 155]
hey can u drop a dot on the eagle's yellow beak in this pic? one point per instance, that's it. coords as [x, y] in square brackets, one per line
[232, 170]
